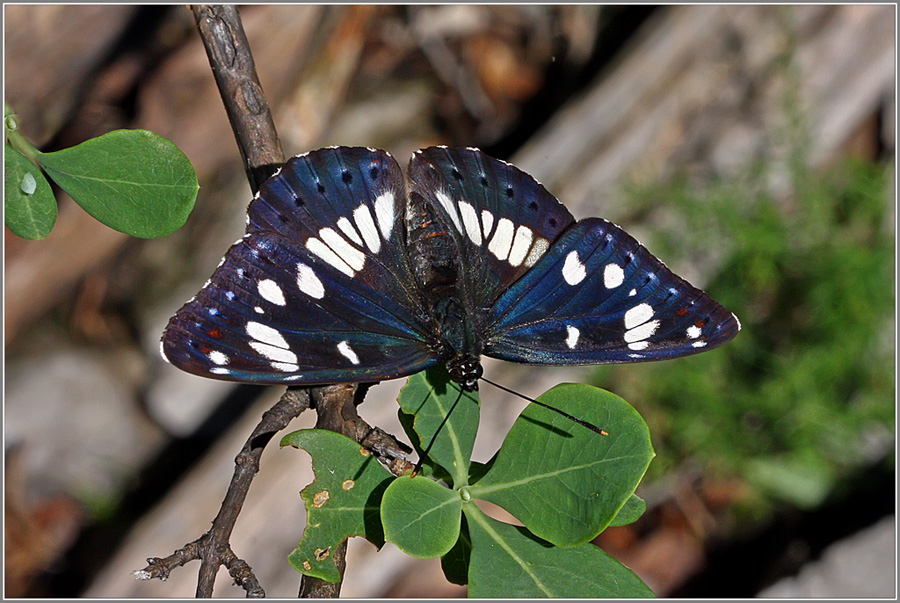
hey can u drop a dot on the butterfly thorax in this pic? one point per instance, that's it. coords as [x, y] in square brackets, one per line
[436, 269]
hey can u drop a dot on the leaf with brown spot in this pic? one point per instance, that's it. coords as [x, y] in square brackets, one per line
[336, 512]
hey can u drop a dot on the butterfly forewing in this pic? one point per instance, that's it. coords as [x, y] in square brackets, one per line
[274, 312]
[502, 219]
[599, 297]
[345, 205]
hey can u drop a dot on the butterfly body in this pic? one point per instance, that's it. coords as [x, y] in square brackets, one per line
[346, 276]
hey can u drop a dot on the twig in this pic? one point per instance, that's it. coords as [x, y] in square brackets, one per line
[248, 111]
[229, 56]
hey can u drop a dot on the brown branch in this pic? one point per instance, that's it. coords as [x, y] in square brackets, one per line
[248, 112]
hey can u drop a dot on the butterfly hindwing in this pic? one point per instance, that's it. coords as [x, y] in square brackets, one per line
[502, 219]
[599, 297]
[275, 313]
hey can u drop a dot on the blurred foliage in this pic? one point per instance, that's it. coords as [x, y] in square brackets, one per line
[804, 394]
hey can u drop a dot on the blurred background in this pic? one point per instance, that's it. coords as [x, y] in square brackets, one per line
[751, 148]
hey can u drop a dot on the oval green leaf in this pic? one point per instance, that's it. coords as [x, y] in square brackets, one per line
[343, 500]
[507, 561]
[30, 210]
[565, 482]
[630, 512]
[134, 181]
[421, 516]
[429, 396]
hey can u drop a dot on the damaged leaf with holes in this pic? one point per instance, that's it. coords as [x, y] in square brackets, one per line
[343, 501]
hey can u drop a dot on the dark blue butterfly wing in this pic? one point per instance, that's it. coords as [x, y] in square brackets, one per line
[320, 290]
[346, 204]
[275, 313]
[599, 297]
[502, 219]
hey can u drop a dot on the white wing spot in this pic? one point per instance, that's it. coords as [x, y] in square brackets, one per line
[266, 334]
[287, 367]
[699, 344]
[347, 352]
[270, 291]
[447, 204]
[502, 239]
[229, 295]
[352, 256]
[638, 345]
[641, 332]
[384, 212]
[259, 310]
[487, 221]
[572, 338]
[520, 245]
[346, 227]
[573, 270]
[323, 251]
[693, 332]
[639, 314]
[470, 221]
[538, 249]
[274, 353]
[632, 293]
[366, 226]
[220, 370]
[217, 357]
[308, 282]
[613, 276]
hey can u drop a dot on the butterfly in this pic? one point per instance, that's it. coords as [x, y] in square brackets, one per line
[346, 275]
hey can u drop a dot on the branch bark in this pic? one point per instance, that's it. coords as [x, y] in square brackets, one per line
[248, 112]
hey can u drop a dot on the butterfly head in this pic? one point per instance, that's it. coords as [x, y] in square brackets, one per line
[465, 370]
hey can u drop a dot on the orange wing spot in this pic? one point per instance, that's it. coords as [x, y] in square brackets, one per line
[215, 333]
[699, 323]
[205, 349]
[681, 311]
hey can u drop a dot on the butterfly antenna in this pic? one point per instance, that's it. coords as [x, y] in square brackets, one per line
[590, 426]
[418, 466]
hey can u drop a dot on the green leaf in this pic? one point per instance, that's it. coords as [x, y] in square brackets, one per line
[134, 181]
[343, 500]
[429, 396]
[632, 510]
[455, 563]
[421, 516]
[565, 482]
[30, 205]
[508, 561]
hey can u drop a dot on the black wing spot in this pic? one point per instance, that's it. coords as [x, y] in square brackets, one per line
[298, 201]
[346, 176]
[533, 205]
[484, 181]
[320, 186]
[373, 173]
[284, 219]
[457, 175]
[509, 192]
[552, 222]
